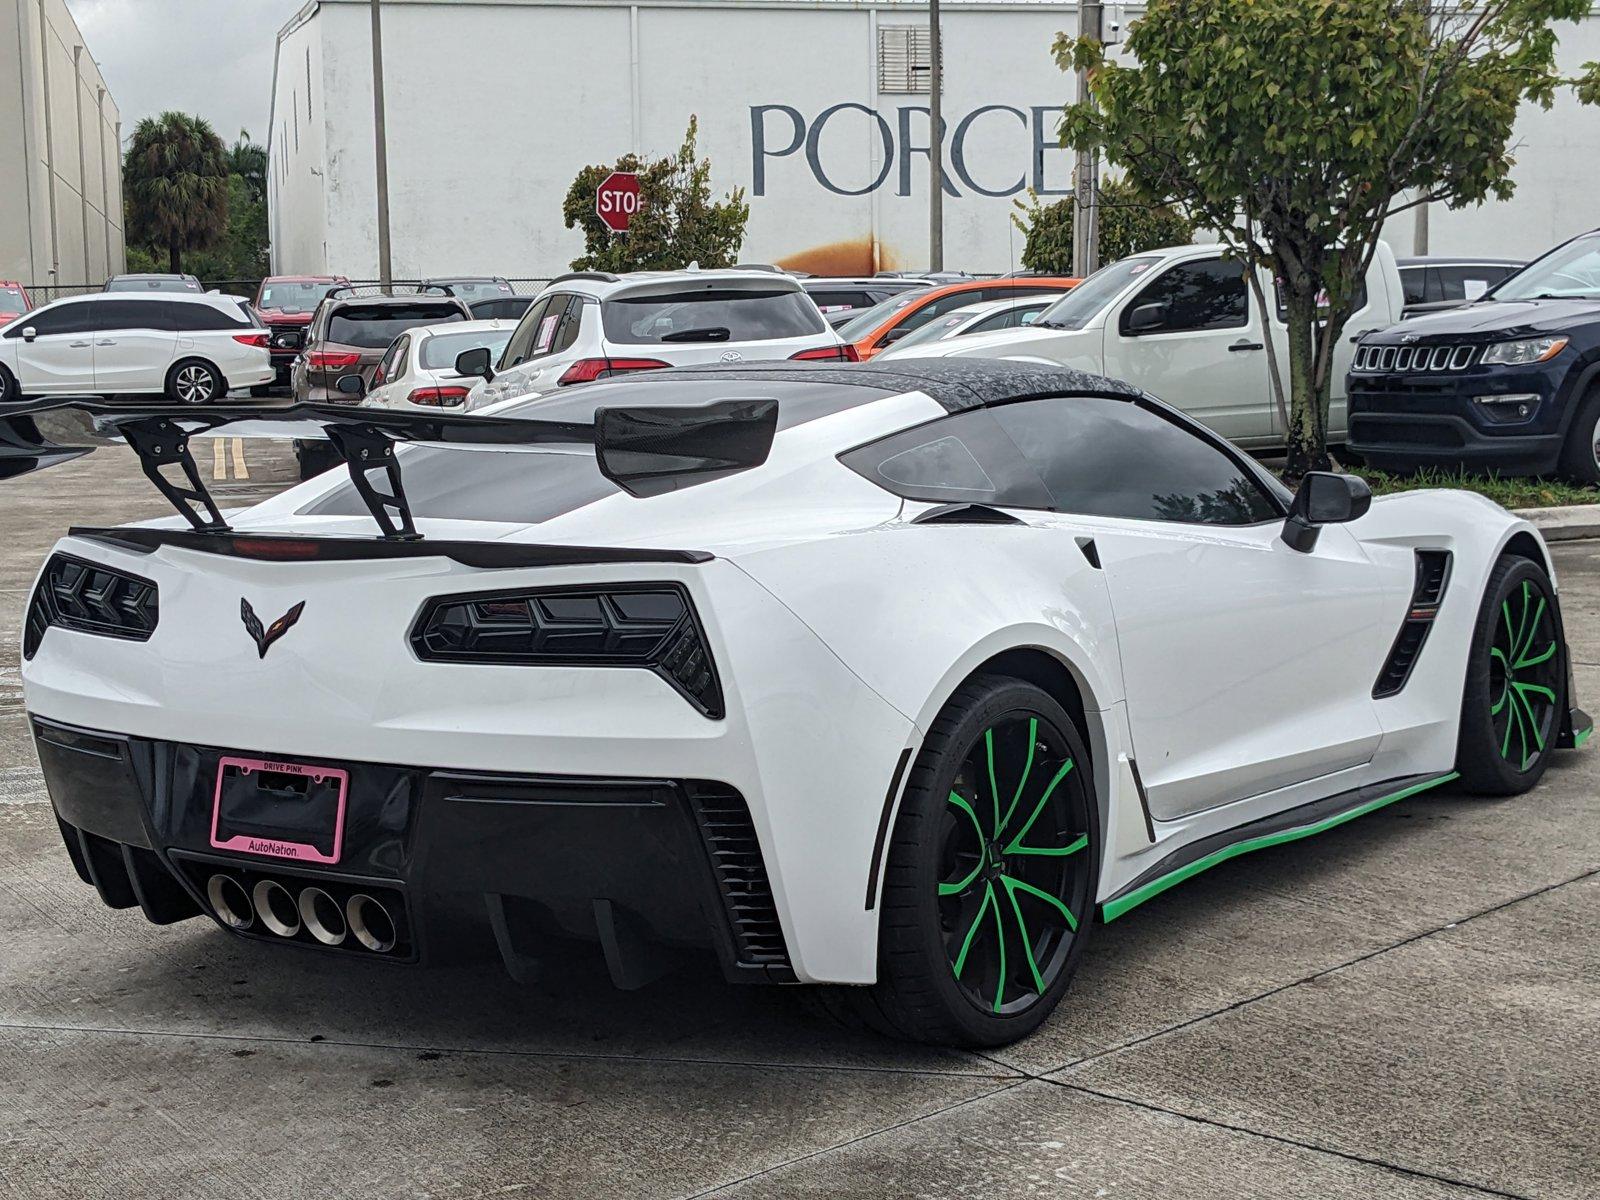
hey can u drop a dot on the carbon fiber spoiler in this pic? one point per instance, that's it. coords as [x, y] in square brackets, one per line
[644, 450]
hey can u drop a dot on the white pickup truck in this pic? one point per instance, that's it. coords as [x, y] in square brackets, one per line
[1182, 324]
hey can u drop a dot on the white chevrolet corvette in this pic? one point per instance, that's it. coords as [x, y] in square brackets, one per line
[893, 677]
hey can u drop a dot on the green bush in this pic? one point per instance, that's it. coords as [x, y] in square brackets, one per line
[677, 222]
[1127, 226]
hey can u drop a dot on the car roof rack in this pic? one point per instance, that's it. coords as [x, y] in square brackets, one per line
[767, 267]
[602, 276]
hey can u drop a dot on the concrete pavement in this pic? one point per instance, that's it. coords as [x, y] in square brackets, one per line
[1407, 1006]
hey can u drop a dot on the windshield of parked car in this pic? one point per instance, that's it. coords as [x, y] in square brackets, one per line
[1085, 302]
[718, 315]
[859, 326]
[11, 301]
[936, 329]
[1570, 270]
[293, 297]
[375, 326]
[439, 353]
[171, 283]
[478, 289]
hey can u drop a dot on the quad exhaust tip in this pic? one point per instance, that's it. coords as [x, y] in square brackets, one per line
[230, 901]
[276, 908]
[370, 923]
[324, 919]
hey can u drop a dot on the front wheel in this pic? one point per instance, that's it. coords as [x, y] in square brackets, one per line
[1516, 687]
[989, 890]
[9, 391]
[1580, 453]
[195, 382]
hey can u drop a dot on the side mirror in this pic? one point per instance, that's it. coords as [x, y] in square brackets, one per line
[1147, 317]
[895, 334]
[351, 385]
[29, 333]
[475, 362]
[1324, 499]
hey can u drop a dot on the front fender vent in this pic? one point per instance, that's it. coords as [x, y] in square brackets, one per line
[1427, 593]
[89, 597]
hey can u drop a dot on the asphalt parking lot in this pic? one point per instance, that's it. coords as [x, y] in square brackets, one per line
[1408, 1006]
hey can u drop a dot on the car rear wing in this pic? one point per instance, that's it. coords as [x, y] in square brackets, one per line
[644, 450]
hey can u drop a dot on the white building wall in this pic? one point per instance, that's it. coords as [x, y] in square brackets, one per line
[494, 105]
[61, 223]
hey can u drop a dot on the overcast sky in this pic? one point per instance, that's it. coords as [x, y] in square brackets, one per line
[212, 58]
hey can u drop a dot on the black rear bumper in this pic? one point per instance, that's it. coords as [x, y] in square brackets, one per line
[518, 864]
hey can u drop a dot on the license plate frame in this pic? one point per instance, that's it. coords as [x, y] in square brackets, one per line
[285, 845]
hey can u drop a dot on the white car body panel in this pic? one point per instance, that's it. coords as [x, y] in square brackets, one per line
[1233, 673]
[395, 391]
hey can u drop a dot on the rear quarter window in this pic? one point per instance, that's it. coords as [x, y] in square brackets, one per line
[710, 315]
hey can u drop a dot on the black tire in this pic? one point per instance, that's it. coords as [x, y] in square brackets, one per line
[314, 457]
[1516, 691]
[260, 389]
[944, 972]
[9, 391]
[195, 382]
[1580, 457]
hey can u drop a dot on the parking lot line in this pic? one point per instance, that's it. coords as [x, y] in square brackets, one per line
[240, 471]
[219, 459]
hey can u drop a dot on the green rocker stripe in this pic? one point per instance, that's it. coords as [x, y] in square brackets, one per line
[1115, 907]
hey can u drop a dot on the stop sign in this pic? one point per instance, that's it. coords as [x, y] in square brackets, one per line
[617, 199]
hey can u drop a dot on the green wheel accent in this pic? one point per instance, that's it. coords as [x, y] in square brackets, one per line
[1115, 907]
[1012, 897]
[1522, 672]
[1582, 736]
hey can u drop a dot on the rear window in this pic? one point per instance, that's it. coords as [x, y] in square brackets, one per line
[479, 289]
[702, 315]
[172, 284]
[439, 353]
[294, 297]
[375, 326]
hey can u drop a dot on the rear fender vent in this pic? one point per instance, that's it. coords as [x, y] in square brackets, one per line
[741, 875]
[1427, 593]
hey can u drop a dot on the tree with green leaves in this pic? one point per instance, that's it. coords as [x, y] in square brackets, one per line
[248, 160]
[1127, 224]
[678, 223]
[1293, 129]
[175, 185]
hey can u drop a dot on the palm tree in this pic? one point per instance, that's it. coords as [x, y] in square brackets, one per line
[175, 178]
[248, 160]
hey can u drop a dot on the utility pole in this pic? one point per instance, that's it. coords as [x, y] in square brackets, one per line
[83, 183]
[381, 146]
[1086, 178]
[1419, 233]
[935, 142]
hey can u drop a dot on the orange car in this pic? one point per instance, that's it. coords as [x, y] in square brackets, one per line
[880, 326]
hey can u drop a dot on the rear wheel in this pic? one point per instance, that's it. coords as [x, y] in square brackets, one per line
[1516, 686]
[988, 894]
[195, 382]
[9, 391]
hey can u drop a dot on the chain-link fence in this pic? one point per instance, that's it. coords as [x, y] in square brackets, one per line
[44, 293]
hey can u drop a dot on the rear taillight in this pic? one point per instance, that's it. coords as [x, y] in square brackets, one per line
[439, 397]
[841, 353]
[259, 340]
[90, 598]
[587, 370]
[332, 360]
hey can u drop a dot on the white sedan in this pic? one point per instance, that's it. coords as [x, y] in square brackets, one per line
[1010, 312]
[419, 371]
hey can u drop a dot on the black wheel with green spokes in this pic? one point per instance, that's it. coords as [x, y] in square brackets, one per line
[1516, 682]
[989, 887]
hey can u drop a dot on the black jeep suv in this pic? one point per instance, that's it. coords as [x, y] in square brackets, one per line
[1508, 383]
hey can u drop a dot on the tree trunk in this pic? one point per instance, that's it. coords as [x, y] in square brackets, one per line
[1308, 403]
[174, 257]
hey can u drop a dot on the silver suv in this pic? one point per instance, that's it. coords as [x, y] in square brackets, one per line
[592, 324]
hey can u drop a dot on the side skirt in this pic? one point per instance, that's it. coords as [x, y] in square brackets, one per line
[1289, 826]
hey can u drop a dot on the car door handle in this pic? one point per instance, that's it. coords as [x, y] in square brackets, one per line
[78, 344]
[1247, 346]
[108, 342]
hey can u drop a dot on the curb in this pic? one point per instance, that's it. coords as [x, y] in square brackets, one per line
[1564, 524]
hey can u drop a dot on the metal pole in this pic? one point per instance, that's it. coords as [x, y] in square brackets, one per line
[380, 143]
[1419, 234]
[1085, 224]
[49, 149]
[105, 192]
[935, 142]
[83, 182]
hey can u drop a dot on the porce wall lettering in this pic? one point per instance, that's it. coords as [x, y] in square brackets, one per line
[781, 131]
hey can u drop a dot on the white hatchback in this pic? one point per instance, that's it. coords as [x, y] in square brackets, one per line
[191, 348]
[418, 371]
[592, 325]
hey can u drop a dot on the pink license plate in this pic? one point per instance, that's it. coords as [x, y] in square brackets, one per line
[279, 809]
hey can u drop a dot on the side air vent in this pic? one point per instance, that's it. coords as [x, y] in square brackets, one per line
[965, 514]
[741, 875]
[1432, 577]
[89, 598]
